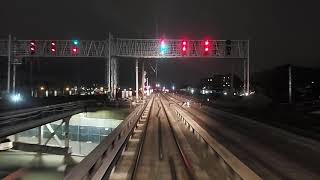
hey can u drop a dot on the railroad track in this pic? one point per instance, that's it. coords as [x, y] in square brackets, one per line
[154, 125]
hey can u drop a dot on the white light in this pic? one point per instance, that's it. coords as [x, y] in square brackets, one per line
[234, 93]
[225, 93]
[173, 88]
[208, 99]
[192, 91]
[16, 98]
[246, 94]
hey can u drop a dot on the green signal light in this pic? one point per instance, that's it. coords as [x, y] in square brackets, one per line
[75, 42]
[163, 47]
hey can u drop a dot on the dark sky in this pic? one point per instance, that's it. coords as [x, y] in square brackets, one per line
[281, 32]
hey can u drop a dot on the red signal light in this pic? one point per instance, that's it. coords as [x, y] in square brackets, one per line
[184, 47]
[162, 42]
[206, 47]
[74, 50]
[53, 46]
[32, 47]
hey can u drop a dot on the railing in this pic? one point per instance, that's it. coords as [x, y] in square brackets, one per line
[95, 164]
[19, 120]
[237, 169]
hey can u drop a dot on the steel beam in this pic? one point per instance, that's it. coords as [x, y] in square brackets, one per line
[53, 134]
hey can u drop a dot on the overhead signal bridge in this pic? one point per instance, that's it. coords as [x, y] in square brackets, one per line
[134, 48]
[113, 48]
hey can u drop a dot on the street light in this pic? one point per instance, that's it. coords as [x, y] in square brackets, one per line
[16, 98]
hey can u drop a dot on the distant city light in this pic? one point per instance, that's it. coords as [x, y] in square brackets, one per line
[192, 91]
[225, 93]
[67, 89]
[42, 88]
[16, 98]
[173, 88]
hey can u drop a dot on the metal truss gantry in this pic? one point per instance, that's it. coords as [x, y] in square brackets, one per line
[112, 49]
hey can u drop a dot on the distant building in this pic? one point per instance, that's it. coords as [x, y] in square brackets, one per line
[219, 83]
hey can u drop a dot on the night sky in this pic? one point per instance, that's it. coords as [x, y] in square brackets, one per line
[281, 32]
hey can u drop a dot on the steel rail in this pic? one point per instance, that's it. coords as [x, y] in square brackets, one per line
[141, 143]
[186, 161]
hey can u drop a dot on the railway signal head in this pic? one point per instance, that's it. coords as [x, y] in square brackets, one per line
[163, 47]
[206, 47]
[53, 46]
[228, 47]
[184, 47]
[32, 47]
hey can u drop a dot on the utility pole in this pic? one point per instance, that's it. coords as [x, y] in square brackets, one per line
[109, 64]
[137, 80]
[142, 79]
[290, 84]
[14, 79]
[9, 64]
[248, 69]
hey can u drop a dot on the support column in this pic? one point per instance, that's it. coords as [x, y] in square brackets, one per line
[137, 80]
[40, 135]
[142, 79]
[114, 76]
[248, 69]
[9, 64]
[109, 63]
[67, 134]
